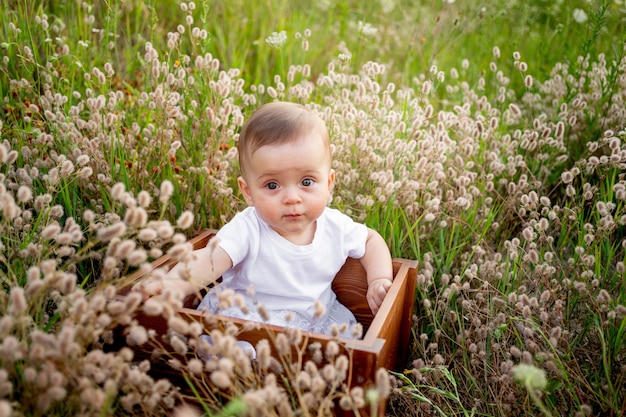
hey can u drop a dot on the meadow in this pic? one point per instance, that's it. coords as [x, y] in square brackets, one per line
[487, 140]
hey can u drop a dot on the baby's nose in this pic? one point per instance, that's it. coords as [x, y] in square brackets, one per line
[292, 195]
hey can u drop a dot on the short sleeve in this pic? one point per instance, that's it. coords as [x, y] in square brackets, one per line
[238, 236]
[352, 235]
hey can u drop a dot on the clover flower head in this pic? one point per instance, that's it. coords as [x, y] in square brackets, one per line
[277, 39]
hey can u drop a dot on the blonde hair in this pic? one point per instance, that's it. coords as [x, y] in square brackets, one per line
[275, 124]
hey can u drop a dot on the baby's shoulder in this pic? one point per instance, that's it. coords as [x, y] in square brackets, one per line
[335, 216]
[243, 223]
[336, 223]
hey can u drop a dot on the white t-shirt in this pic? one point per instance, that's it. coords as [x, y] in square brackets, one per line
[286, 276]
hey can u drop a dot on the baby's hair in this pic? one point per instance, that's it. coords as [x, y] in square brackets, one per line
[277, 123]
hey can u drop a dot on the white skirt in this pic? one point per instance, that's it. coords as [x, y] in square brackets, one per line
[336, 314]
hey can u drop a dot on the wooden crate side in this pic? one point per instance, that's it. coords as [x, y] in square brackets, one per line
[387, 322]
[406, 322]
[363, 355]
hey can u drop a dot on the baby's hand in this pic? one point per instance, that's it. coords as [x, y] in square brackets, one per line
[376, 292]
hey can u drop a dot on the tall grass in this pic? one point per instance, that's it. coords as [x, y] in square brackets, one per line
[486, 140]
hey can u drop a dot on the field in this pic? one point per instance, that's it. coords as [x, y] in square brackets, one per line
[487, 140]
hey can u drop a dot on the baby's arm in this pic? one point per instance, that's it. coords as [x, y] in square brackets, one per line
[377, 264]
[188, 278]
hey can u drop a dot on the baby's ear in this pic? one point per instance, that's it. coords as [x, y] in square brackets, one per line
[331, 179]
[245, 191]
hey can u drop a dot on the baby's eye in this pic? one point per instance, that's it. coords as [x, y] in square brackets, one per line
[271, 185]
[307, 182]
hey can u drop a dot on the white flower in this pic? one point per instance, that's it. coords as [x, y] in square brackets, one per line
[531, 376]
[387, 6]
[580, 16]
[276, 39]
[344, 58]
[366, 29]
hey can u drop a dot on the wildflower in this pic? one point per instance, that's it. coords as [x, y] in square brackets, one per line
[580, 16]
[426, 87]
[138, 335]
[124, 248]
[147, 235]
[118, 190]
[387, 6]
[85, 173]
[180, 250]
[344, 58]
[10, 349]
[50, 231]
[5, 408]
[438, 359]
[304, 380]
[18, 303]
[108, 233]
[318, 385]
[136, 257]
[144, 199]
[263, 354]
[282, 344]
[329, 373]
[195, 366]
[277, 39]
[515, 109]
[332, 349]
[165, 231]
[183, 410]
[24, 194]
[528, 81]
[136, 216]
[603, 297]
[382, 383]
[530, 376]
[56, 211]
[178, 325]
[342, 365]
[320, 309]
[166, 191]
[179, 345]
[153, 307]
[6, 324]
[366, 29]
[262, 310]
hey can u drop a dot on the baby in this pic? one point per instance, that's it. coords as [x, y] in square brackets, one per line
[283, 251]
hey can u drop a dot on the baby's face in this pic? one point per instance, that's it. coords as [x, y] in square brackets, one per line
[289, 185]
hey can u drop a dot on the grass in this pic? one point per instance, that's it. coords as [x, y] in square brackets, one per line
[494, 157]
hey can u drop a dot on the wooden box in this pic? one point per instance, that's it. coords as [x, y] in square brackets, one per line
[386, 336]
